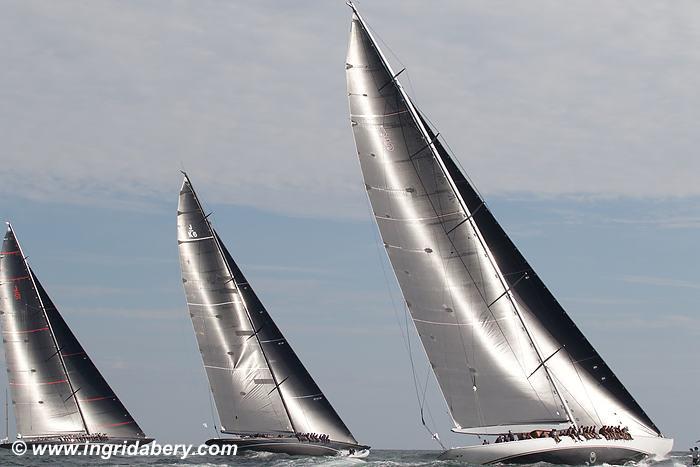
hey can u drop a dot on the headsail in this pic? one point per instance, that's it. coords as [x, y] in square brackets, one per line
[258, 382]
[56, 389]
[482, 314]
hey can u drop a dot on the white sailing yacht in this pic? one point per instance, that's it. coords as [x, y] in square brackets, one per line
[508, 359]
[265, 398]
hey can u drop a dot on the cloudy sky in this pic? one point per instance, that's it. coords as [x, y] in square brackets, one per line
[577, 120]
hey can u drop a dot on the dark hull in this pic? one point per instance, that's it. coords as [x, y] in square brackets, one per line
[291, 446]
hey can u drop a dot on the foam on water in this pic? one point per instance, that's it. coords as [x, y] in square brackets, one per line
[378, 458]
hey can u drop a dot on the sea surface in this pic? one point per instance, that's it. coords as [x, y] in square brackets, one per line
[378, 458]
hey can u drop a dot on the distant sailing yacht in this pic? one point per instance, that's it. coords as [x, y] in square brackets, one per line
[265, 398]
[506, 355]
[58, 394]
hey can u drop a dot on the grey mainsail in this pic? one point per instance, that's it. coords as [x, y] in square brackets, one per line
[503, 350]
[56, 389]
[258, 383]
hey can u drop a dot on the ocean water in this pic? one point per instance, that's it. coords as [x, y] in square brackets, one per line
[378, 458]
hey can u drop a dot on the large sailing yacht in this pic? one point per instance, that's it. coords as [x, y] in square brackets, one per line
[58, 395]
[511, 364]
[265, 398]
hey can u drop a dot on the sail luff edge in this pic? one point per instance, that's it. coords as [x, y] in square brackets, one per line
[51, 331]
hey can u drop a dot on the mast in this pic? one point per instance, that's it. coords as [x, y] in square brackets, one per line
[245, 307]
[51, 332]
[470, 218]
[7, 418]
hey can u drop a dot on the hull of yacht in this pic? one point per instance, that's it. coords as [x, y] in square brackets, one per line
[567, 452]
[294, 447]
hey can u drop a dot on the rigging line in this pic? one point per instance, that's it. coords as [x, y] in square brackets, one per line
[585, 390]
[545, 361]
[579, 404]
[277, 386]
[53, 336]
[454, 157]
[494, 266]
[380, 257]
[183, 339]
[405, 333]
[220, 250]
[211, 408]
[71, 394]
[466, 219]
[421, 404]
[416, 117]
[406, 102]
[501, 279]
[437, 157]
[454, 246]
[393, 78]
[394, 55]
[466, 268]
[511, 287]
[54, 354]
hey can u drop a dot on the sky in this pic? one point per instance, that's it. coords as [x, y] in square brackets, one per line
[576, 120]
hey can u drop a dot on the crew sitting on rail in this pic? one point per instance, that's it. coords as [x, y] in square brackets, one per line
[615, 432]
[323, 438]
[553, 435]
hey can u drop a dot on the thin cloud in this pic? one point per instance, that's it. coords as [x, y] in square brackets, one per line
[660, 281]
[669, 323]
[250, 98]
[137, 313]
[602, 300]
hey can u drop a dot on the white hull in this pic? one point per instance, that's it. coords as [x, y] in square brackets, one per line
[568, 451]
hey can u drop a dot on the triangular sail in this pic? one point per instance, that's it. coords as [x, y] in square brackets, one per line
[482, 314]
[56, 389]
[258, 382]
